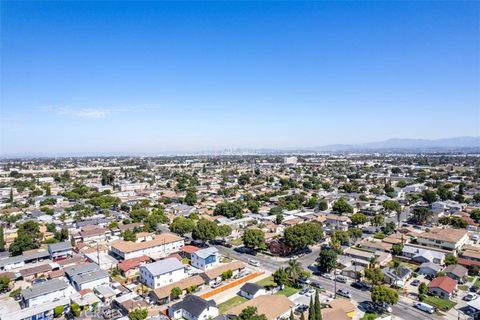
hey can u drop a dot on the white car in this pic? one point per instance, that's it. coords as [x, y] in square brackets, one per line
[254, 263]
[470, 296]
[328, 276]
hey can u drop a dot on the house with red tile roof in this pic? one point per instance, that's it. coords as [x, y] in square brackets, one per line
[129, 268]
[442, 287]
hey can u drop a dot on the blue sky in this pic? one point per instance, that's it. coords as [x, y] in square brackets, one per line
[101, 77]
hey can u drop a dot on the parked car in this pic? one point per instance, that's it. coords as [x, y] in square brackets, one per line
[344, 293]
[254, 263]
[316, 284]
[383, 307]
[425, 307]
[238, 275]
[38, 281]
[328, 276]
[301, 309]
[473, 289]
[470, 296]
[368, 306]
[245, 250]
[216, 285]
[415, 283]
[361, 285]
[304, 280]
[341, 278]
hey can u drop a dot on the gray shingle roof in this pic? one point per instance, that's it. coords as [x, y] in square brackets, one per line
[61, 246]
[193, 304]
[163, 266]
[251, 288]
[44, 288]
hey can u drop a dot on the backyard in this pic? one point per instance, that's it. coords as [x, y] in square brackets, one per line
[229, 304]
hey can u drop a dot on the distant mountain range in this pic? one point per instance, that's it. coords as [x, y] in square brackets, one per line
[457, 143]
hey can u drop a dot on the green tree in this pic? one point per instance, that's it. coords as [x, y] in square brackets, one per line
[327, 260]
[429, 196]
[381, 294]
[181, 225]
[317, 306]
[323, 205]
[374, 275]
[302, 235]
[175, 293]
[358, 218]
[75, 309]
[279, 218]
[58, 311]
[311, 309]
[2, 239]
[391, 205]
[291, 315]
[397, 249]
[295, 270]
[378, 220]
[4, 283]
[138, 314]
[355, 233]
[342, 206]
[254, 239]
[423, 288]
[205, 230]
[276, 210]
[280, 277]
[229, 210]
[421, 214]
[450, 259]
[227, 275]
[129, 235]
[191, 197]
[253, 206]
[224, 230]
[250, 313]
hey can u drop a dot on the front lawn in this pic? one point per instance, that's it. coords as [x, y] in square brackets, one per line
[267, 282]
[229, 304]
[369, 316]
[463, 287]
[288, 291]
[439, 303]
[477, 282]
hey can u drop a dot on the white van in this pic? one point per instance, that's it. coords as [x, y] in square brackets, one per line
[254, 263]
[425, 307]
[341, 279]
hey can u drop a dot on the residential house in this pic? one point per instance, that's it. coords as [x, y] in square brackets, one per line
[397, 277]
[442, 287]
[86, 276]
[429, 269]
[163, 272]
[274, 307]
[161, 246]
[456, 272]
[193, 308]
[162, 295]
[60, 251]
[449, 239]
[205, 259]
[252, 290]
[422, 254]
[130, 267]
[47, 291]
[215, 275]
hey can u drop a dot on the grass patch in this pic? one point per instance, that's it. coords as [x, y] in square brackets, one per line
[186, 261]
[463, 287]
[470, 278]
[477, 282]
[439, 303]
[369, 316]
[236, 242]
[267, 282]
[229, 304]
[287, 291]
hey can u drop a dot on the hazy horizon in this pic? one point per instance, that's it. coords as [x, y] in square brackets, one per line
[146, 77]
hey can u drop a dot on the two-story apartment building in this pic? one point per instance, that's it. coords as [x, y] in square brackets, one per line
[61, 250]
[444, 238]
[205, 259]
[160, 246]
[47, 291]
[163, 272]
[86, 276]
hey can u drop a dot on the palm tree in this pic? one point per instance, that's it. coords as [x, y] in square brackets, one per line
[294, 270]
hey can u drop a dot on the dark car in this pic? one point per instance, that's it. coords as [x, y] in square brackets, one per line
[473, 289]
[316, 284]
[368, 306]
[361, 285]
[221, 243]
[415, 283]
[245, 250]
[301, 309]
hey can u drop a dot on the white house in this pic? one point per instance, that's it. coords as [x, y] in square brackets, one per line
[87, 276]
[252, 290]
[47, 291]
[161, 246]
[60, 250]
[193, 308]
[205, 259]
[163, 272]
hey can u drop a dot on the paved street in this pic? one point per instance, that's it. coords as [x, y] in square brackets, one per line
[403, 309]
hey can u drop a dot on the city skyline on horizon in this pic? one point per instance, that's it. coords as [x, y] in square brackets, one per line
[106, 77]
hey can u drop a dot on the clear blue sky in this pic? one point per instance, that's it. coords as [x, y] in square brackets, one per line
[151, 76]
